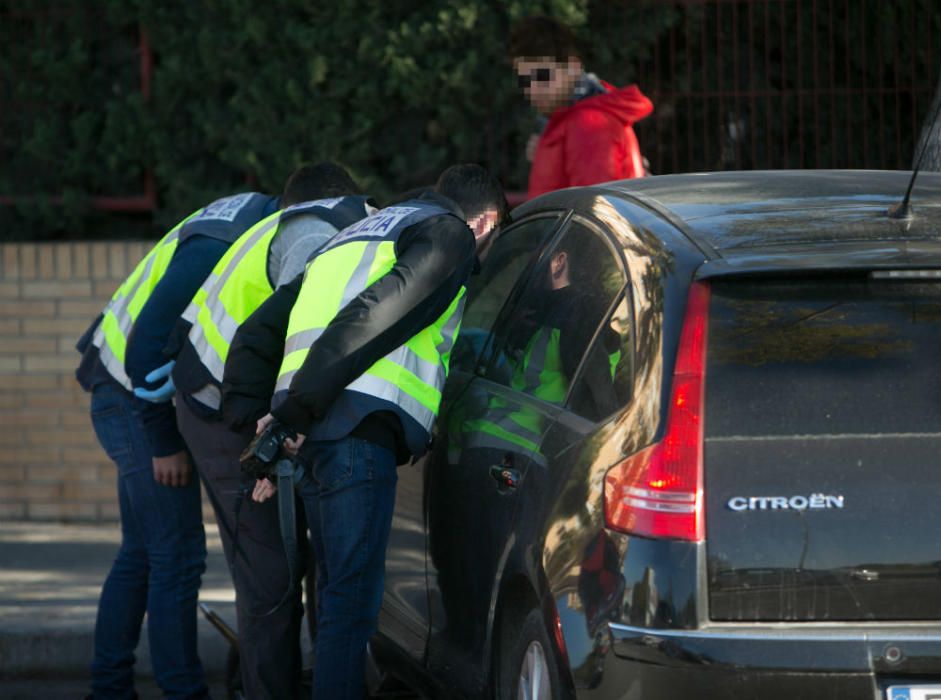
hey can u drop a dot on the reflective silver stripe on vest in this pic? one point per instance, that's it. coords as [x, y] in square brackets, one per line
[192, 310]
[449, 330]
[379, 388]
[208, 355]
[118, 306]
[243, 251]
[358, 280]
[124, 324]
[301, 340]
[190, 313]
[430, 373]
[354, 285]
[224, 323]
[115, 367]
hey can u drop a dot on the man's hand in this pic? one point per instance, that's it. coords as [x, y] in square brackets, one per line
[264, 490]
[162, 393]
[173, 470]
[263, 423]
[292, 446]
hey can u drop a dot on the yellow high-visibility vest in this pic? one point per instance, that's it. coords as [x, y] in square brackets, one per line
[119, 315]
[409, 380]
[239, 282]
[224, 219]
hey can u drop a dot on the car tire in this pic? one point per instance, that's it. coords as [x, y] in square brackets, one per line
[527, 665]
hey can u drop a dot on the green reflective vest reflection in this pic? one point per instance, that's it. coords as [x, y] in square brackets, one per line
[518, 427]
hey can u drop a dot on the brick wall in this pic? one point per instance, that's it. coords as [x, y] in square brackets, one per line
[51, 466]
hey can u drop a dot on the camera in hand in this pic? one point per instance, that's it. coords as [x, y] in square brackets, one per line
[258, 460]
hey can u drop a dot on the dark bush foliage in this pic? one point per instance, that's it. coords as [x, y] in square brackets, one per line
[242, 92]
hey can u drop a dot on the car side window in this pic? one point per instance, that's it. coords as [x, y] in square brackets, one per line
[542, 340]
[606, 380]
[489, 290]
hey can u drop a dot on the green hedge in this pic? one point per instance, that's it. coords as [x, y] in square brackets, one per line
[243, 92]
[396, 90]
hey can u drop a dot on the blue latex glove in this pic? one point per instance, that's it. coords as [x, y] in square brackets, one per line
[162, 393]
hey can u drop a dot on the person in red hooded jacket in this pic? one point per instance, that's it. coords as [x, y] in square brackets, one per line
[588, 135]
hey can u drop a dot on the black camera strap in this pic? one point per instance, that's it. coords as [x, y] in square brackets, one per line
[290, 476]
[287, 472]
[233, 531]
[256, 462]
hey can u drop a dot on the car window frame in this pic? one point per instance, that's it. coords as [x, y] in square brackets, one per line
[512, 299]
[625, 293]
[598, 228]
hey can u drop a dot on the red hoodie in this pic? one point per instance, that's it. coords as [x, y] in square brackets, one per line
[591, 141]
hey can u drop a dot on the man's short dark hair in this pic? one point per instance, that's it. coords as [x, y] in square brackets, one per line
[474, 189]
[541, 36]
[413, 193]
[309, 182]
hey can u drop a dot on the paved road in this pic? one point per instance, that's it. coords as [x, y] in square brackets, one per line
[50, 579]
[75, 689]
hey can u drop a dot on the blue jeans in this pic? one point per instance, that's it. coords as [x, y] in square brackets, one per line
[157, 569]
[349, 504]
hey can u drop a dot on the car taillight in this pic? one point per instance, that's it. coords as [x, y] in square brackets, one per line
[657, 492]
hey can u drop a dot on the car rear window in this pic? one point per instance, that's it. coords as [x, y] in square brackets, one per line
[812, 355]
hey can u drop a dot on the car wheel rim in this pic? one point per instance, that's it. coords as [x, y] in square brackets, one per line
[535, 683]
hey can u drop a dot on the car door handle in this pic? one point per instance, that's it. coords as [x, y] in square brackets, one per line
[505, 477]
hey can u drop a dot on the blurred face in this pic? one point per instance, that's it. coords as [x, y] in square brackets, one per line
[547, 83]
[483, 227]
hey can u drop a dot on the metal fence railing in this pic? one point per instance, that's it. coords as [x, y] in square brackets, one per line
[743, 84]
[736, 84]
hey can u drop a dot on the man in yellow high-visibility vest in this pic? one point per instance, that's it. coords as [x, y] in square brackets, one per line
[267, 255]
[163, 549]
[370, 329]
[162, 554]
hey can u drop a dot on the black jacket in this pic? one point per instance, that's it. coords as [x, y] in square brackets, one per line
[434, 258]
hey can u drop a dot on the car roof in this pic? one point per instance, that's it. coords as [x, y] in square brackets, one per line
[750, 214]
[767, 209]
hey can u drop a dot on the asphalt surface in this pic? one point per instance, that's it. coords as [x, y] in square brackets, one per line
[75, 688]
[50, 579]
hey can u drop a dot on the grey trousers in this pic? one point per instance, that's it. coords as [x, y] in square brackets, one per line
[269, 644]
